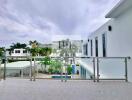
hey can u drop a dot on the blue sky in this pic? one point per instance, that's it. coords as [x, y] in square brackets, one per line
[45, 20]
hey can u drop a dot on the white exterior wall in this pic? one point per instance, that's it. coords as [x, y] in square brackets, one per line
[21, 53]
[119, 40]
[121, 36]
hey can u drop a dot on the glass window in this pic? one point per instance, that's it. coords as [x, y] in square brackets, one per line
[96, 46]
[91, 48]
[17, 51]
[104, 44]
[86, 49]
[24, 51]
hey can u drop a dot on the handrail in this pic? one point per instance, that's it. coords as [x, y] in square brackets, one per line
[85, 57]
[95, 63]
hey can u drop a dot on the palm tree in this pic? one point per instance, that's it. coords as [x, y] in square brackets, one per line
[1, 52]
[34, 43]
[34, 50]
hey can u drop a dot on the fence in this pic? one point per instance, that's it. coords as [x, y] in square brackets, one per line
[90, 68]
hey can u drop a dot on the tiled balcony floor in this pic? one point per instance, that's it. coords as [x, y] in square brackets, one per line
[23, 89]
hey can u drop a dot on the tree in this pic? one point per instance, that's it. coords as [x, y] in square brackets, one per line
[34, 44]
[45, 51]
[69, 50]
[18, 46]
[56, 66]
[69, 69]
[1, 52]
[46, 61]
[73, 50]
[34, 51]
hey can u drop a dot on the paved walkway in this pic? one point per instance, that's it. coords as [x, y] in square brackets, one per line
[23, 89]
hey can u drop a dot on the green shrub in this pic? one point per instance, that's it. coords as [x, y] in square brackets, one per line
[69, 70]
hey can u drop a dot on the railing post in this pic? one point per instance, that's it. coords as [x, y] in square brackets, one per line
[62, 74]
[34, 69]
[0, 70]
[66, 73]
[30, 69]
[98, 70]
[4, 76]
[61, 59]
[94, 70]
[126, 73]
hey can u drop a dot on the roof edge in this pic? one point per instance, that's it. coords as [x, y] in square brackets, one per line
[108, 15]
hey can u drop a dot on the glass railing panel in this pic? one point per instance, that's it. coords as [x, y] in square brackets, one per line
[48, 68]
[112, 68]
[15, 69]
[58, 68]
[83, 68]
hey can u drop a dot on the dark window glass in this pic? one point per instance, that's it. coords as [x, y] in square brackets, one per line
[91, 48]
[86, 49]
[70, 61]
[110, 28]
[104, 44]
[24, 51]
[17, 51]
[59, 45]
[96, 46]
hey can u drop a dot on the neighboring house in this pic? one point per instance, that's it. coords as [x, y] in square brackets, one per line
[114, 38]
[63, 44]
[20, 52]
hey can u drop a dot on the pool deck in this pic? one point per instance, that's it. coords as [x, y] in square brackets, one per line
[23, 89]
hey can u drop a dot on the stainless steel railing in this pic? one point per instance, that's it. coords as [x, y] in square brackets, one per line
[96, 66]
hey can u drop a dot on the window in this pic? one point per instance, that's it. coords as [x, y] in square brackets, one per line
[59, 45]
[91, 48]
[109, 28]
[104, 44]
[96, 46]
[17, 51]
[63, 43]
[86, 49]
[70, 61]
[24, 51]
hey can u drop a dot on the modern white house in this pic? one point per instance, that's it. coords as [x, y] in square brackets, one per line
[20, 52]
[63, 44]
[113, 39]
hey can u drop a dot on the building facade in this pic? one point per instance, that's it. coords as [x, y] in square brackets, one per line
[20, 52]
[114, 38]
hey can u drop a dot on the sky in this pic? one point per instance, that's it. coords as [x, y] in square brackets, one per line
[46, 20]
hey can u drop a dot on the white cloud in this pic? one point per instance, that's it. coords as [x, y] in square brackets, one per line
[24, 20]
